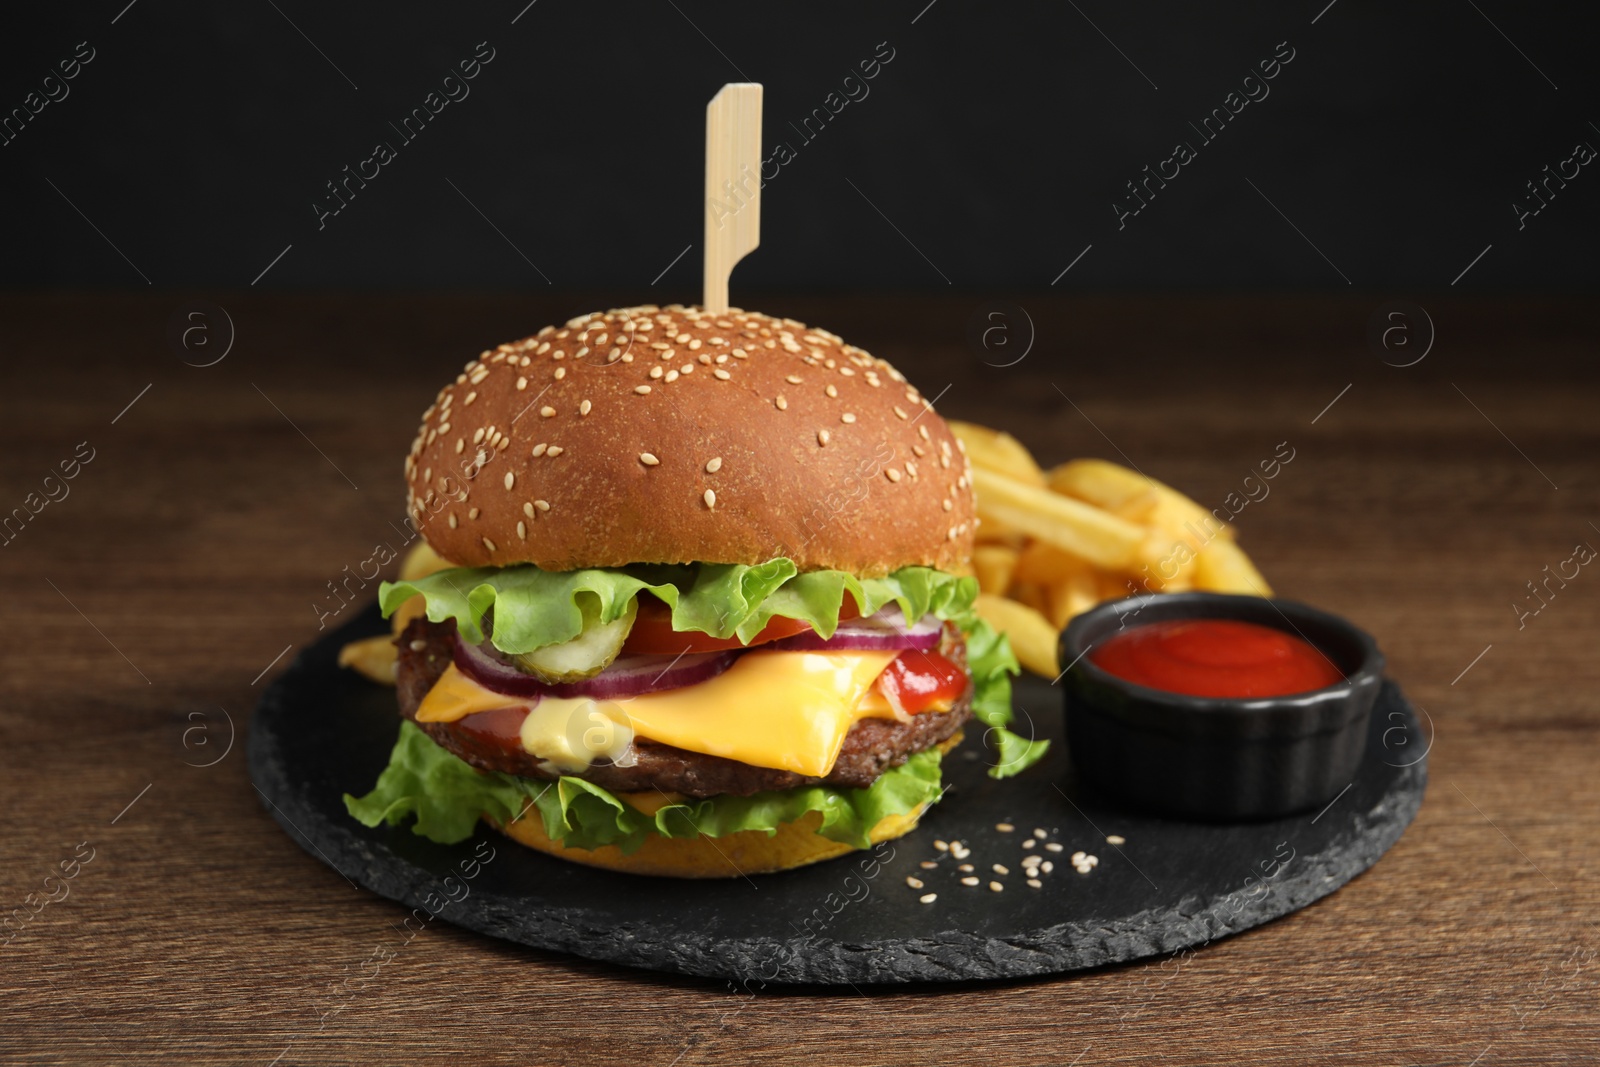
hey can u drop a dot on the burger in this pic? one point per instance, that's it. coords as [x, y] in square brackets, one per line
[695, 600]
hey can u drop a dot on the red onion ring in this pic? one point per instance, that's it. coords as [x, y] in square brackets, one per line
[627, 676]
[885, 631]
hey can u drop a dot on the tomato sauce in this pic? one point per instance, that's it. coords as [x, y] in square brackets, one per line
[1216, 658]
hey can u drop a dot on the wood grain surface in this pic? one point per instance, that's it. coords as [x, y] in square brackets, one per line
[146, 609]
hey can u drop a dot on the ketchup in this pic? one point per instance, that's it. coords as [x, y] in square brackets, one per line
[1216, 658]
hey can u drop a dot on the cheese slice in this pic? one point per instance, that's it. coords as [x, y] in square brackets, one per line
[785, 710]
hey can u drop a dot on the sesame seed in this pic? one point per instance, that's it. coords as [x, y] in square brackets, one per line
[1030, 842]
[656, 371]
[555, 450]
[781, 403]
[966, 868]
[580, 353]
[1000, 869]
[1004, 827]
[721, 374]
[418, 645]
[928, 898]
[969, 881]
[583, 408]
[1054, 847]
[542, 505]
[928, 865]
[959, 851]
[615, 354]
[923, 430]
[454, 522]
[1116, 839]
[996, 887]
[511, 479]
[832, 391]
[642, 390]
[711, 498]
[488, 544]
[847, 417]
[1047, 866]
[1079, 857]
[942, 846]
[822, 437]
[470, 398]
[539, 449]
[1040, 834]
[739, 353]
[892, 474]
[648, 459]
[688, 368]
[911, 468]
[561, 372]
[705, 357]
[547, 412]
[914, 883]
[527, 509]
[558, 354]
[722, 358]
[1034, 883]
[714, 466]
[444, 427]
[793, 379]
[672, 375]
[522, 530]
[472, 513]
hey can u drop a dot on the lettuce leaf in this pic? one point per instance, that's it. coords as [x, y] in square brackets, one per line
[534, 608]
[448, 796]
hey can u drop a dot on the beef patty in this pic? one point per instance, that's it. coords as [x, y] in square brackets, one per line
[871, 747]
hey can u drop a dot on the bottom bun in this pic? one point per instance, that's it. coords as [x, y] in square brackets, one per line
[794, 844]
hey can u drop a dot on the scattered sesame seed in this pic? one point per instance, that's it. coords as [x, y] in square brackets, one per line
[959, 851]
[1000, 869]
[642, 390]
[1004, 827]
[1040, 834]
[928, 898]
[1029, 843]
[714, 466]
[823, 436]
[511, 479]
[1116, 839]
[1079, 857]
[555, 450]
[966, 868]
[942, 846]
[1047, 866]
[928, 865]
[488, 544]
[711, 498]
[1055, 847]
[648, 459]
[547, 412]
[1034, 883]
[914, 883]
[969, 880]
[996, 886]
[583, 408]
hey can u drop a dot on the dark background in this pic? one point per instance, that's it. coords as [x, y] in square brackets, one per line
[987, 154]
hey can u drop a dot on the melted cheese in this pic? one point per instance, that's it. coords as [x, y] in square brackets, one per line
[786, 710]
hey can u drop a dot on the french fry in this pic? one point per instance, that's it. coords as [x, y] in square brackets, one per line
[1112, 486]
[1033, 639]
[1222, 567]
[1070, 597]
[1068, 524]
[994, 565]
[998, 451]
[1047, 564]
[374, 657]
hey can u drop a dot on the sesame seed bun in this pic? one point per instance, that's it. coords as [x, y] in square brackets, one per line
[595, 445]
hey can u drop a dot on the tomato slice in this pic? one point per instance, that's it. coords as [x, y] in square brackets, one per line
[919, 680]
[653, 634]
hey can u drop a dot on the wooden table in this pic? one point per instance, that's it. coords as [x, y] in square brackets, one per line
[149, 607]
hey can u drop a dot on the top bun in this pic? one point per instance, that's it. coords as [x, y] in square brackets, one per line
[672, 435]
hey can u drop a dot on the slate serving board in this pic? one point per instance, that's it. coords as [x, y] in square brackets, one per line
[320, 732]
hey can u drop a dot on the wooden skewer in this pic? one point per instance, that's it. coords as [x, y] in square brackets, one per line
[733, 185]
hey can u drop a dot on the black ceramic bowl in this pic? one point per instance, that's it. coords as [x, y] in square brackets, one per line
[1218, 757]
